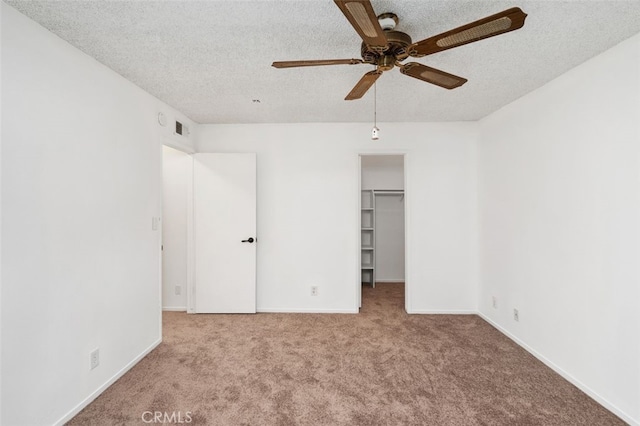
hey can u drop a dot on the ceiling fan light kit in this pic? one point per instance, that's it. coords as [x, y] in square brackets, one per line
[388, 21]
[385, 48]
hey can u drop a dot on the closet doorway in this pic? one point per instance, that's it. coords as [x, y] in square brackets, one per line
[382, 224]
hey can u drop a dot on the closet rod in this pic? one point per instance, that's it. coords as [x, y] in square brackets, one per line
[388, 191]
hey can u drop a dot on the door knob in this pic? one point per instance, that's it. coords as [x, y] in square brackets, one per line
[249, 240]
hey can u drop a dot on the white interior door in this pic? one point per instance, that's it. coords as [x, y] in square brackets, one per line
[224, 233]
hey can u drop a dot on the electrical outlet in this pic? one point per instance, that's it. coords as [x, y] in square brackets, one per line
[516, 315]
[495, 302]
[178, 290]
[314, 290]
[95, 358]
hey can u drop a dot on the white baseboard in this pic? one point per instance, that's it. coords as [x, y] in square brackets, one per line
[88, 400]
[577, 383]
[441, 312]
[175, 308]
[399, 280]
[306, 311]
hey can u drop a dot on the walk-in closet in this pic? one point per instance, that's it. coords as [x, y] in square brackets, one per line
[382, 249]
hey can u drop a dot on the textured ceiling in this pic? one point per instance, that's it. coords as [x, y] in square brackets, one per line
[212, 59]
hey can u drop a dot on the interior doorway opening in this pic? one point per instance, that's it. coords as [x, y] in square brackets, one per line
[176, 174]
[382, 224]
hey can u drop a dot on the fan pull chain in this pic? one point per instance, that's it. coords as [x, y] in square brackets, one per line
[375, 132]
[375, 104]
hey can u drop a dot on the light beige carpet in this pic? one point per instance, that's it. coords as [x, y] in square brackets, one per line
[380, 367]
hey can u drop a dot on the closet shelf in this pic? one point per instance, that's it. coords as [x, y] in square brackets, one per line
[367, 243]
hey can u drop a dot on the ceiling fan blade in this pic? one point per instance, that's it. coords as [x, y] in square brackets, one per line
[432, 75]
[313, 63]
[363, 85]
[363, 19]
[500, 23]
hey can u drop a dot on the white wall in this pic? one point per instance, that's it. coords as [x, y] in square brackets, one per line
[389, 235]
[308, 228]
[382, 172]
[176, 174]
[81, 181]
[1, 351]
[559, 191]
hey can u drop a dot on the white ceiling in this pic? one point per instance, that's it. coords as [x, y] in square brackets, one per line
[212, 59]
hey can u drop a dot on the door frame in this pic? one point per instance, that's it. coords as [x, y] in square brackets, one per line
[189, 150]
[191, 253]
[165, 220]
[407, 224]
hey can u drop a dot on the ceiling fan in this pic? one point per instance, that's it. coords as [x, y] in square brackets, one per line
[385, 47]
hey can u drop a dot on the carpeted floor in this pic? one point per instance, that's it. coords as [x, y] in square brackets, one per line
[380, 367]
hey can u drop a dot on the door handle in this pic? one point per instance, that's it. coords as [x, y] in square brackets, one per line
[249, 240]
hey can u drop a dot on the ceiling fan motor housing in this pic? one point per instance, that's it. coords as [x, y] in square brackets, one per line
[396, 51]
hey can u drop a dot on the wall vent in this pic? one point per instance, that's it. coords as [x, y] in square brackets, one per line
[181, 129]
